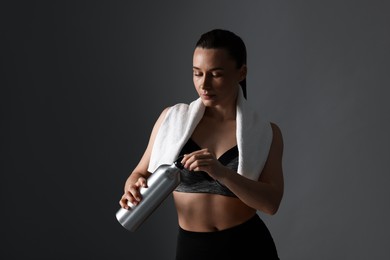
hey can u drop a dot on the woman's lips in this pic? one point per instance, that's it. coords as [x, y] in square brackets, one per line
[208, 96]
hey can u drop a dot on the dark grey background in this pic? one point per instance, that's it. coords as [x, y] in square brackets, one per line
[83, 82]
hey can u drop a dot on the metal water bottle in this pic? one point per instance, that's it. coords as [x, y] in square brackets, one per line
[161, 183]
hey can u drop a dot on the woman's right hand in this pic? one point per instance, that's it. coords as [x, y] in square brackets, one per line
[132, 193]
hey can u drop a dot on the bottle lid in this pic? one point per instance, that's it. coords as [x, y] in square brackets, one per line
[178, 163]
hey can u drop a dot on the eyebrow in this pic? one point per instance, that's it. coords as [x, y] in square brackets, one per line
[213, 69]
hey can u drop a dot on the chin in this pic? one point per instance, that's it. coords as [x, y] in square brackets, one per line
[209, 103]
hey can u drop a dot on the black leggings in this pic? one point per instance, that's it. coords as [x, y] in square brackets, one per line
[249, 240]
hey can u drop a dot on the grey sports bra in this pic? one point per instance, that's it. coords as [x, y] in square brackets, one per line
[201, 182]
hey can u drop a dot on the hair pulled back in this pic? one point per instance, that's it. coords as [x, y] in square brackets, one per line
[233, 44]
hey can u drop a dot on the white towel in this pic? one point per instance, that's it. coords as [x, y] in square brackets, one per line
[253, 133]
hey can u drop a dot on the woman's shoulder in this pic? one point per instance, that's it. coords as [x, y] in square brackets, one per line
[173, 109]
[277, 134]
[275, 127]
[179, 108]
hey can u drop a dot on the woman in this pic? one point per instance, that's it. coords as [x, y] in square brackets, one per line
[233, 157]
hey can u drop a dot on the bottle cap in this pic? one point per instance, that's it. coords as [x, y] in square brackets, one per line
[178, 163]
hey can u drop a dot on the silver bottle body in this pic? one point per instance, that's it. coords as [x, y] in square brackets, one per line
[161, 184]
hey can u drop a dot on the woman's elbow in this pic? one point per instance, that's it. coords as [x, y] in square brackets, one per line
[273, 207]
[271, 210]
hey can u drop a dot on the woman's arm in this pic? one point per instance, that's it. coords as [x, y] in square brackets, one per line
[265, 194]
[139, 175]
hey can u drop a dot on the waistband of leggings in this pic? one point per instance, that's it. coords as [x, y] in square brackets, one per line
[255, 218]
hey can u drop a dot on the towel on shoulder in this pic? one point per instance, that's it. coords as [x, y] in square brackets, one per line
[253, 133]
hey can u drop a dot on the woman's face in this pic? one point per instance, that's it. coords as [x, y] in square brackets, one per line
[216, 76]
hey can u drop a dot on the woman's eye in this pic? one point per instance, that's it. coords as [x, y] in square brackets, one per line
[197, 74]
[216, 75]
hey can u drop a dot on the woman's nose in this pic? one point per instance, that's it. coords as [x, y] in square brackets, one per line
[206, 83]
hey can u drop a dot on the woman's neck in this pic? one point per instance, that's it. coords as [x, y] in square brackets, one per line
[220, 113]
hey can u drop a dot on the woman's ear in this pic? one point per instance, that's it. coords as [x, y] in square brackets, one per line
[243, 72]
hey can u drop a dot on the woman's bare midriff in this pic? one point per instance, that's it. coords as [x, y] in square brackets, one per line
[204, 212]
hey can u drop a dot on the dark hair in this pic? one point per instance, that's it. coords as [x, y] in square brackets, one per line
[224, 39]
